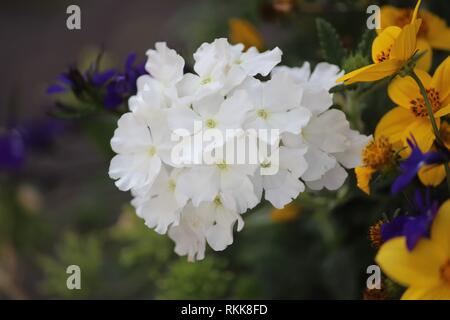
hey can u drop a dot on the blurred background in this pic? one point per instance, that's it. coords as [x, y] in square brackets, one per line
[58, 207]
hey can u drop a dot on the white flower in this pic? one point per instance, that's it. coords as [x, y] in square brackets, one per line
[275, 104]
[203, 183]
[210, 222]
[315, 85]
[160, 204]
[200, 203]
[284, 186]
[140, 147]
[213, 111]
[330, 141]
[164, 65]
[189, 234]
[220, 67]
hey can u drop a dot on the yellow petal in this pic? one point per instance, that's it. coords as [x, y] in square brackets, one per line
[405, 44]
[242, 31]
[404, 89]
[383, 43]
[394, 123]
[422, 131]
[372, 72]
[419, 267]
[363, 177]
[442, 112]
[440, 233]
[441, 40]
[424, 62]
[440, 292]
[432, 175]
[437, 32]
[441, 79]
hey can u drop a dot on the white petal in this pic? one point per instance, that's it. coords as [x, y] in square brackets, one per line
[284, 188]
[164, 64]
[131, 135]
[134, 171]
[255, 63]
[299, 75]
[332, 180]
[325, 75]
[351, 157]
[328, 131]
[319, 162]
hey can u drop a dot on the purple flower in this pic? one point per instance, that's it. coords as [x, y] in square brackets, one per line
[123, 85]
[412, 227]
[19, 140]
[76, 81]
[12, 150]
[411, 166]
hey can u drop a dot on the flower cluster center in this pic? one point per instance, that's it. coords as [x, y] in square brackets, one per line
[378, 153]
[419, 108]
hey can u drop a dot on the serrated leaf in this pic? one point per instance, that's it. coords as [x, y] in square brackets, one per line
[330, 43]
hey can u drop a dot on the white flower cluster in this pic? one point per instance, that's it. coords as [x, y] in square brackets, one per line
[200, 203]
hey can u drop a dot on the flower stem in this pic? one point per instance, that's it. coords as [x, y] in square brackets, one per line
[423, 91]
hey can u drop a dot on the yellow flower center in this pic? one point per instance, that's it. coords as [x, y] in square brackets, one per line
[384, 55]
[222, 166]
[217, 202]
[378, 153]
[262, 114]
[375, 234]
[206, 81]
[151, 151]
[172, 185]
[211, 123]
[419, 108]
[445, 272]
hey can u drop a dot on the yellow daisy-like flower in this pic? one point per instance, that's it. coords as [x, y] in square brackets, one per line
[410, 117]
[433, 175]
[426, 269]
[433, 32]
[391, 49]
[376, 156]
[242, 31]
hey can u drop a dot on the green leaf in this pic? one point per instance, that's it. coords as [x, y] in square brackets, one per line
[330, 43]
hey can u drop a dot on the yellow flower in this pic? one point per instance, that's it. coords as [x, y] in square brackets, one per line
[242, 31]
[391, 49]
[433, 175]
[288, 213]
[376, 156]
[410, 117]
[426, 269]
[433, 32]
